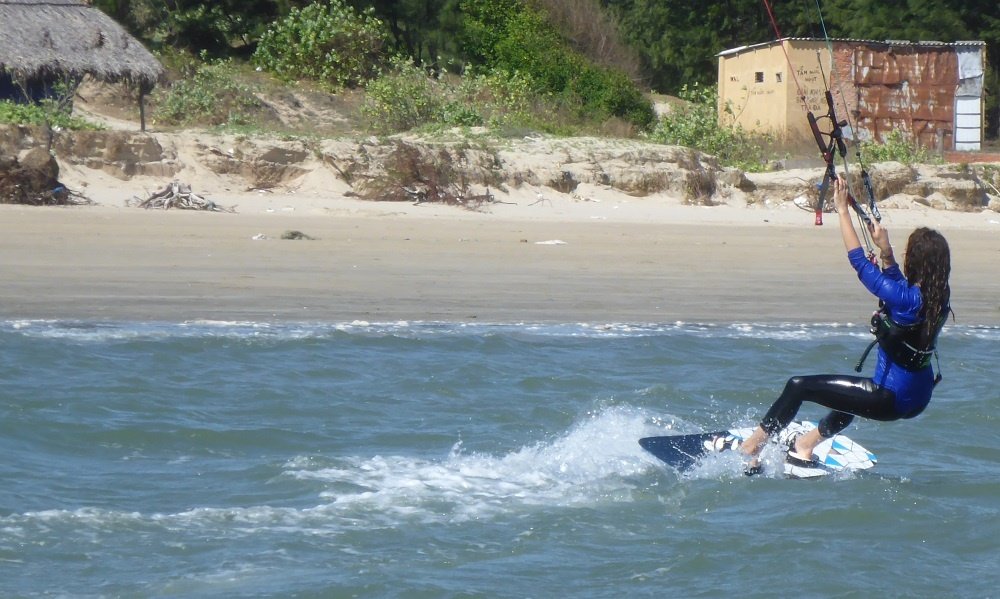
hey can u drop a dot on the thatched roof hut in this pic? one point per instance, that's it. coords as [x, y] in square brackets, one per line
[68, 39]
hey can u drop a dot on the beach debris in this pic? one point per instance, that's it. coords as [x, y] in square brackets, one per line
[290, 234]
[34, 180]
[806, 203]
[551, 242]
[564, 183]
[429, 175]
[177, 195]
[540, 199]
[296, 235]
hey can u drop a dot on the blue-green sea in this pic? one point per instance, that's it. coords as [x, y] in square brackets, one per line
[221, 459]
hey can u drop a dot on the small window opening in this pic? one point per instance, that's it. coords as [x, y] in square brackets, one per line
[758, 77]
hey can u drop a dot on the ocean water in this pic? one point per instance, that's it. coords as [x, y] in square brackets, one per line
[464, 460]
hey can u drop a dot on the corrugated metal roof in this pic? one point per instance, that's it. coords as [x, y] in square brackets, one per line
[740, 49]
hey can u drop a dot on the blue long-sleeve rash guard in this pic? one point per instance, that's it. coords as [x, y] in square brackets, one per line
[903, 301]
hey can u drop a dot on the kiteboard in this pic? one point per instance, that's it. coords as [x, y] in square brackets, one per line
[837, 454]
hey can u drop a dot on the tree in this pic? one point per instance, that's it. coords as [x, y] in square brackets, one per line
[425, 30]
[679, 40]
[219, 28]
[926, 20]
[329, 42]
[593, 31]
[982, 19]
[914, 20]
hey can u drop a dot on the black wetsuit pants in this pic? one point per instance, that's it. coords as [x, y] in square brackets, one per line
[846, 396]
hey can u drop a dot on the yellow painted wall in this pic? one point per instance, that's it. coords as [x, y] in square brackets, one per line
[762, 92]
[752, 83]
[813, 69]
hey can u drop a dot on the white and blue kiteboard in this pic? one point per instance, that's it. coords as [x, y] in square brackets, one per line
[833, 455]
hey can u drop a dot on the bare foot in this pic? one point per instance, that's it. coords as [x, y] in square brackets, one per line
[806, 443]
[751, 445]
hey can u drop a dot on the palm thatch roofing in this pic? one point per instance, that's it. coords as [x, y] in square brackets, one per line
[69, 38]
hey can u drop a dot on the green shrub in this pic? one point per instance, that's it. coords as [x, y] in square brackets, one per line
[697, 126]
[532, 46]
[897, 147]
[509, 36]
[55, 111]
[212, 96]
[407, 97]
[607, 92]
[327, 42]
[498, 98]
[460, 114]
[402, 99]
[48, 112]
[484, 25]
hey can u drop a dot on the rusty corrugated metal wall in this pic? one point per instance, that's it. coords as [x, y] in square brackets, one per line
[908, 87]
[932, 92]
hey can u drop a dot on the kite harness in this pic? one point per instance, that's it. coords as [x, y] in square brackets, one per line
[902, 343]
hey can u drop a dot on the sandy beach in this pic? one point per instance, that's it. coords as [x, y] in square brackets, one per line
[613, 258]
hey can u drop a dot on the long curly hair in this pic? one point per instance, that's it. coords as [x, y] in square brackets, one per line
[928, 264]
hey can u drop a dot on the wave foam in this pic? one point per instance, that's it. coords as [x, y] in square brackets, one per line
[595, 462]
[92, 331]
[589, 465]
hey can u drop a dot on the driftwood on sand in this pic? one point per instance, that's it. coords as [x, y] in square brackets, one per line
[177, 195]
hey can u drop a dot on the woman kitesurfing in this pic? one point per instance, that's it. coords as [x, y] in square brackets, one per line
[914, 304]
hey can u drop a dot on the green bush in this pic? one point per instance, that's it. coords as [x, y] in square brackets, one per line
[484, 26]
[52, 112]
[56, 111]
[403, 98]
[212, 95]
[499, 98]
[328, 42]
[897, 147]
[407, 97]
[697, 126]
[608, 92]
[532, 46]
[508, 36]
